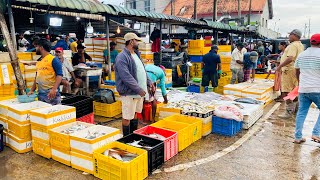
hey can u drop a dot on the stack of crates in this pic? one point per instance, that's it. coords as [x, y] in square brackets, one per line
[84, 142]
[44, 119]
[121, 44]
[99, 45]
[146, 53]
[7, 87]
[19, 126]
[30, 74]
[83, 104]
[208, 41]
[89, 46]
[226, 76]
[4, 104]
[60, 141]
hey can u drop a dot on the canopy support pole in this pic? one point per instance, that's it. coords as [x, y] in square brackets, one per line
[12, 28]
[108, 46]
[160, 41]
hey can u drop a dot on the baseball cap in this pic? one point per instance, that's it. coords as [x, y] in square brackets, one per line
[315, 39]
[130, 36]
[59, 49]
[214, 47]
[296, 32]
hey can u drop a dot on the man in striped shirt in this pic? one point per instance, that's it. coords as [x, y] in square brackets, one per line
[308, 74]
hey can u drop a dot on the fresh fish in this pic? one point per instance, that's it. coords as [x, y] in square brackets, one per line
[239, 106]
[140, 144]
[248, 101]
[120, 155]
[157, 136]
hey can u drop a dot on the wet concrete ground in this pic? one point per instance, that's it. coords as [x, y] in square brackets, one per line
[268, 154]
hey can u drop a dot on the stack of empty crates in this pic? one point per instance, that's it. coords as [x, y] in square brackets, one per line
[89, 47]
[44, 119]
[99, 45]
[196, 51]
[146, 53]
[121, 44]
[19, 127]
[7, 87]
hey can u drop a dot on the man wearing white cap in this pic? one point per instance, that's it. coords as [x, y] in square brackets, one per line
[288, 72]
[132, 83]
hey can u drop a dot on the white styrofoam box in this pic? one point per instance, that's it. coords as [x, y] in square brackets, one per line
[98, 53]
[36, 57]
[19, 145]
[30, 75]
[146, 53]
[4, 57]
[4, 122]
[61, 155]
[31, 68]
[254, 93]
[206, 120]
[40, 134]
[145, 46]
[97, 60]
[5, 77]
[20, 112]
[80, 144]
[82, 162]
[4, 106]
[52, 115]
[59, 139]
[88, 40]
[100, 41]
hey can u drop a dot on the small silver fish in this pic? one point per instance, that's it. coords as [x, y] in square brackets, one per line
[157, 136]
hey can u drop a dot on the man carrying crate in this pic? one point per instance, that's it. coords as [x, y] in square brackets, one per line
[132, 83]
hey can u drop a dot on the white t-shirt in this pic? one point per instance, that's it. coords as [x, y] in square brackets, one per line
[141, 75]
[23, 42]
[236, 55]
[66, 69]
[309, 64]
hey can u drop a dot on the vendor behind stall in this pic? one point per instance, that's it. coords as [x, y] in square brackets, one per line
[81, 56]
[113, 55]
[156, 73]
[68, 73]
[211, 68]
[49, 74]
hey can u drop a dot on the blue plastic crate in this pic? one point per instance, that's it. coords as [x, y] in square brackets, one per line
[196, 89]
[225, 127]
[110, 82]
[196, 58]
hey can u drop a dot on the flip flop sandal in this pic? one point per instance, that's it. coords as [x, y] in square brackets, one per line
[299, 141]
[315, 139]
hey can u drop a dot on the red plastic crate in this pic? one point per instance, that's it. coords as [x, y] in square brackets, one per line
[89, 118]
[170, 143]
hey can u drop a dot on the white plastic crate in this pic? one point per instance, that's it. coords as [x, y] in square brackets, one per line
[21, 112]
[61, 155]
[82, 145]
[59, 139]
[82, 162]
[53, 116]
[4, 122]
[5, 104]
[19, 145]
[252, 116]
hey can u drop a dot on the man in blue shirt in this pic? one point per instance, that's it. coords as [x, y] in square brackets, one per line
[211, 64]
[250, 65]
[156, 73]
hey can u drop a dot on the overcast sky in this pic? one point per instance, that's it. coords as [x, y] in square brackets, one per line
[295, 14]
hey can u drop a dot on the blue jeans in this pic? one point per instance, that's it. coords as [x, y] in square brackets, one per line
[43, 96]
[305, 100]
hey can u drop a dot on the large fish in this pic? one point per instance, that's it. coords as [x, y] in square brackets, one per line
[248, 101]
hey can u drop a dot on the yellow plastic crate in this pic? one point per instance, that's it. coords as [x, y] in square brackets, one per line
[62, 140]
[206, 128]
[196, 67]
[42, 149]
[82, 162]
[206, 50]
[263, 76]
[225, 59]
[185, 138]
[22, 131]
[225, 67]
[147, 56]
[25, 56]
[107, 110]
[19, 145]
[196, 43]
[224, 80]
[61, 155]
[196, 124]
[2, 98]
[109, 168]
[195, 51]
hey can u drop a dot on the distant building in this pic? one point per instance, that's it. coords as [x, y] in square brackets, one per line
[261, 13]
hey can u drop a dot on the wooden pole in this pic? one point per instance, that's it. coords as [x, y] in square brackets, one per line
[108, 46]
[12, 54]
[12, 28]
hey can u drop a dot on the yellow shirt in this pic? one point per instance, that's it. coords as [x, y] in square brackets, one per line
[294, 49]
[46, 76]
[73, 47]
